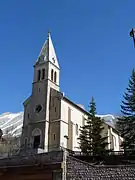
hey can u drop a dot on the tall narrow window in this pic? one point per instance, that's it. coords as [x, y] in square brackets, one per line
[52, 74]
[25, 143]
[77, 129]
[55, 109]
[55, 77]
[43, 73]
[54, 136]
[39, 75]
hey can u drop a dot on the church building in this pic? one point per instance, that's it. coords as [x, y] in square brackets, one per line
[51, 120]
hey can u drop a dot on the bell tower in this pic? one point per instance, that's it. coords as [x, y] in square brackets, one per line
[36, 107]
[47, 61]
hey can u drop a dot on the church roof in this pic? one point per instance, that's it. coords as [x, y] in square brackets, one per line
[47, 53]
[27, 101]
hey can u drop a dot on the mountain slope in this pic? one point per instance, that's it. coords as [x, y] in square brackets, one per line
[12, 122]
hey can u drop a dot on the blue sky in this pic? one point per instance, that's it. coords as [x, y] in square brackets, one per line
[92, 42]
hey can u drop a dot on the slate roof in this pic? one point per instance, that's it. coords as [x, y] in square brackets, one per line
[47, 53]
[79, 170]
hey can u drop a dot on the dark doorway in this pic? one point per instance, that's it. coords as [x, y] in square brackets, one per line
[36, 142]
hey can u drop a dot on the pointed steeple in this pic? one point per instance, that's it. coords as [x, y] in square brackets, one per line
[47, 52]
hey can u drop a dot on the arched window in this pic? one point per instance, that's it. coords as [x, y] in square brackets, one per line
[39, 75]
[43, 73]
[55, 77]
[52, 74]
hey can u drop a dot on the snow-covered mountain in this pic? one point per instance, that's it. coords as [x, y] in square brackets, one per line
[12, 122]
[109, 119]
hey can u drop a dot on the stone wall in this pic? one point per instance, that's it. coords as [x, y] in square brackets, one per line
[46, 166]
[33, 159]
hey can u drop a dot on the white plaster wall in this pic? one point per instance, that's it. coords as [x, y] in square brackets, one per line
[76, 118]
[63, 132]
[117, 145]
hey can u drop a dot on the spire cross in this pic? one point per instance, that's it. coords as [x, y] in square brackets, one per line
[49, 33]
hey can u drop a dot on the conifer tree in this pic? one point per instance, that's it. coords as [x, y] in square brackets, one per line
[97, 143]
[83, 141]
[126, 124]
[91, 139]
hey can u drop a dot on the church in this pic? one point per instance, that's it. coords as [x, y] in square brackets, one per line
[51, 120]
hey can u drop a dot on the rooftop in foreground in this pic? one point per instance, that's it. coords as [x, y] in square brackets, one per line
[65, 164]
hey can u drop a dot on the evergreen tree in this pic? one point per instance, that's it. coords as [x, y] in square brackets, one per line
[83, 141]
[90, 138]
[97, 143]
[126, 124]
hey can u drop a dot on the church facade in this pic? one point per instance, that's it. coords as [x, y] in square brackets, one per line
[51, 120]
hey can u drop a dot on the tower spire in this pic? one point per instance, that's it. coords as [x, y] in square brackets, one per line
[47, 52]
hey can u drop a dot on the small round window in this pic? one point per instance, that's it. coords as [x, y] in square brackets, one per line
[38, 108]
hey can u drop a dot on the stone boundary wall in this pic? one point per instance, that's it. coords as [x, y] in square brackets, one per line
[35, 159]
